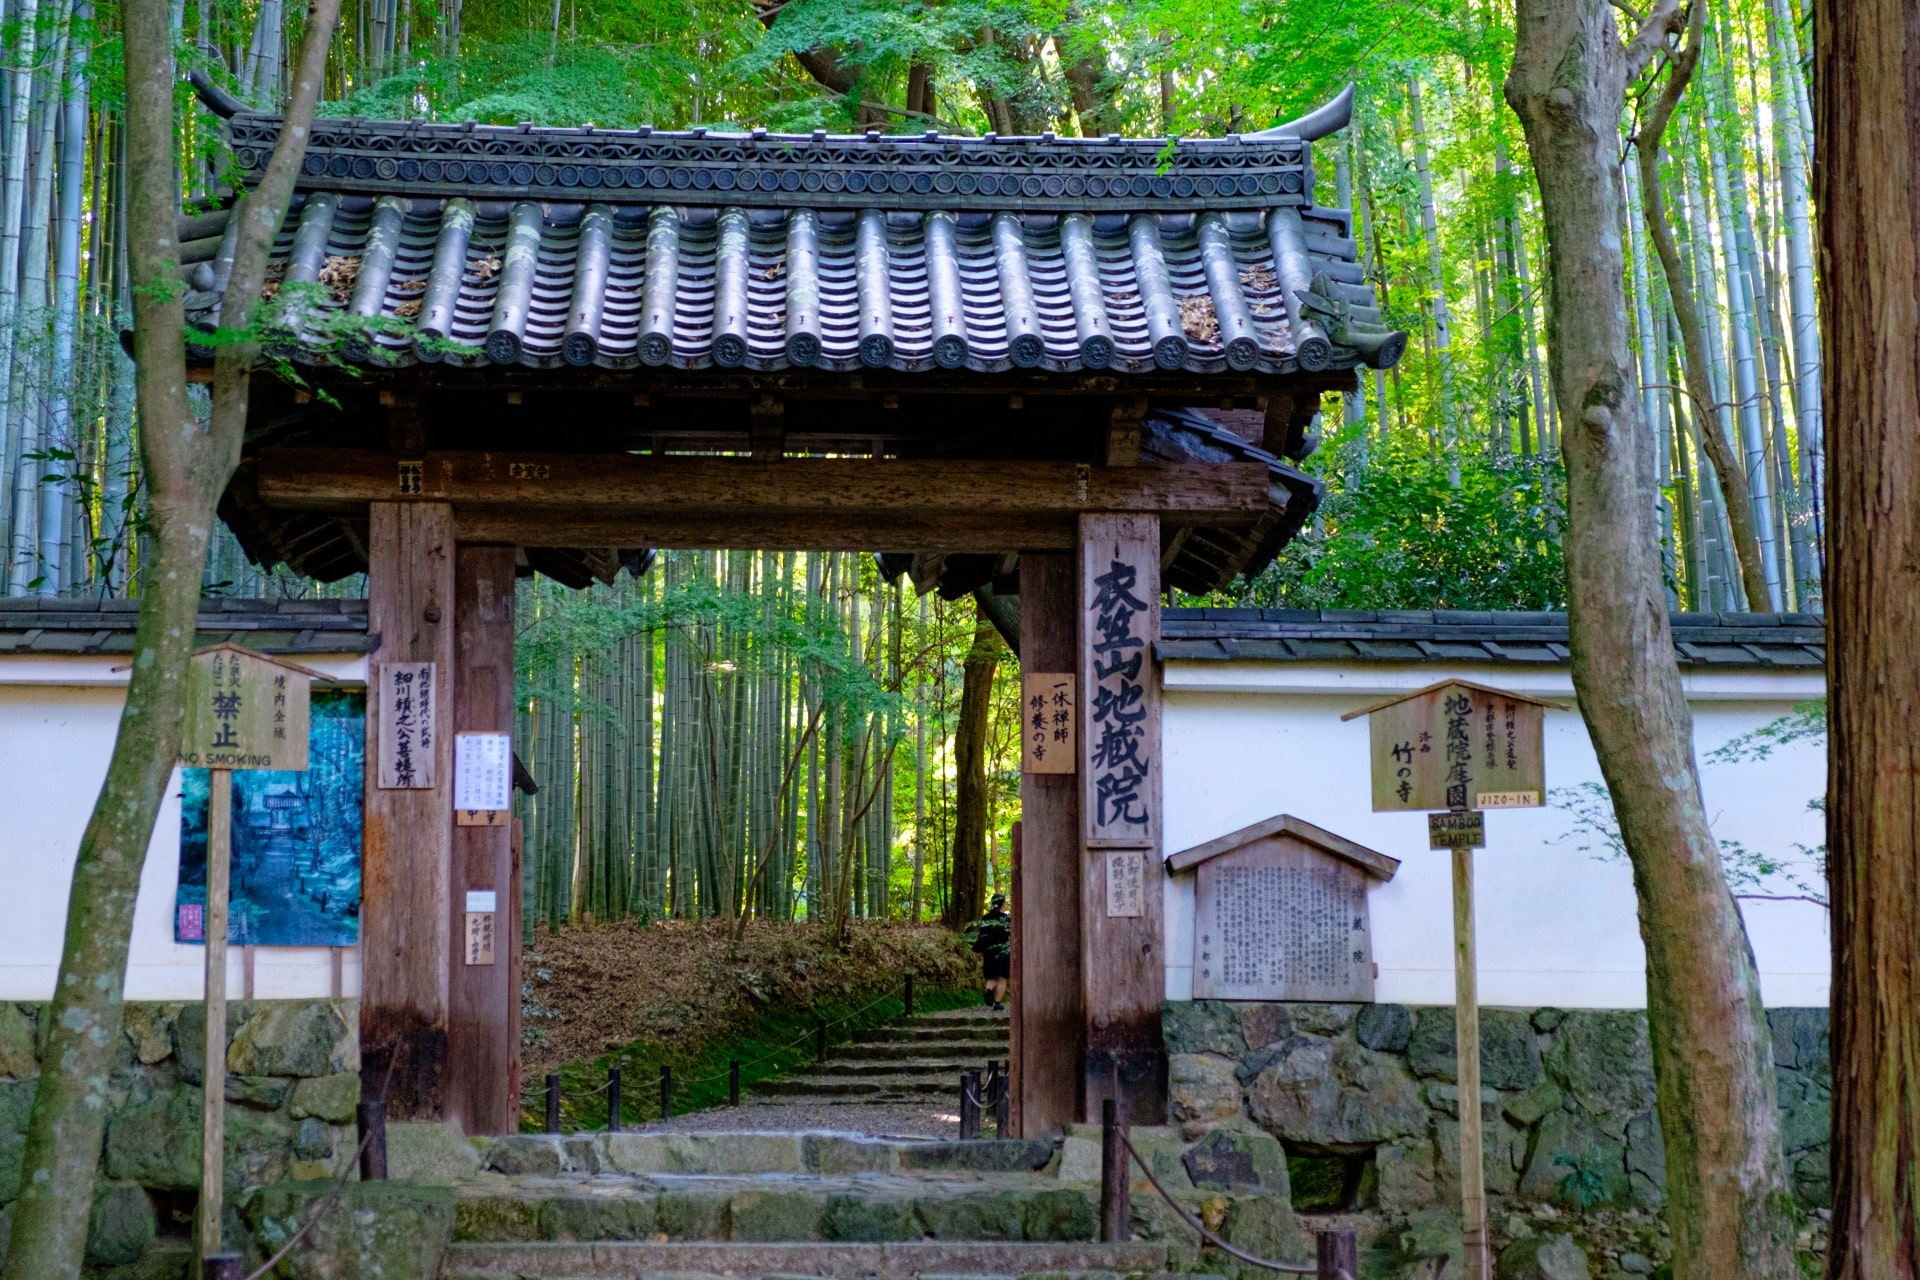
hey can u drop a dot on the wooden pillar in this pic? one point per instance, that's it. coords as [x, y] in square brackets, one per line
[480, 1048]
[404, 940]
[1048, 1001]
[1123, 957]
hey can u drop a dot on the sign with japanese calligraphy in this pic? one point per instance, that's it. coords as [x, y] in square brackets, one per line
[482, 779]
[1127, 882]
[1456, 746]
[479, 937]
[1120, 708]
[1047, 738]
[1457, 829]
[245, 711]
[1280, 920]
[408, 732]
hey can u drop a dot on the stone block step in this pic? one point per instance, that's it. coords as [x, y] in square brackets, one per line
[948, 1032]
[836, 1260]
[915, 1065]
[826, 1085]
[971, 1051]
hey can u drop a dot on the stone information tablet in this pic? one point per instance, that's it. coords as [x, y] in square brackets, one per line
[1278, 920]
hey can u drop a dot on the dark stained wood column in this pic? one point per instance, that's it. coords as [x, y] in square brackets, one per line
[481, 1049]
[1048, 1002]
[1117, 594]
[404, 940]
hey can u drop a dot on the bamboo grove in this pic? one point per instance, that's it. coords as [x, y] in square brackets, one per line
[744, 733]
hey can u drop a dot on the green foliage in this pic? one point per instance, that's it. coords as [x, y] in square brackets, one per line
[1586, 1183]
[1394, 533]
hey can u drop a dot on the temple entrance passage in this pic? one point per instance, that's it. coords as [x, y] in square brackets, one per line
[1061, 375]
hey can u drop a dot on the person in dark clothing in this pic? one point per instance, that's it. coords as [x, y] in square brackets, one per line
[993, 943]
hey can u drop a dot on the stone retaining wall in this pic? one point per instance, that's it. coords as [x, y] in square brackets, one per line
[292, 1085]
[1567, 1097]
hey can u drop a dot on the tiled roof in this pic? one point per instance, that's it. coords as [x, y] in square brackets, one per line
[549, 247]
[1783, 641]
[80, 627]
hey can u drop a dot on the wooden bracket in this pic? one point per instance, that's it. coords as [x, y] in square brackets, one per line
[767, 431]
[1124, 426]
[1289, 415]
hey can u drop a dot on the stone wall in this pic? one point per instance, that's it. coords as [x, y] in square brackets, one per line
[1567, 1097]
[292, 1084]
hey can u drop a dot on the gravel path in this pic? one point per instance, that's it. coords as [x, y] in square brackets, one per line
[934, 1118]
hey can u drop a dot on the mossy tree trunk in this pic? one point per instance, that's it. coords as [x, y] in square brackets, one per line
[1713, 1062]
[187, 466]
[1867, 122]
[970, 776]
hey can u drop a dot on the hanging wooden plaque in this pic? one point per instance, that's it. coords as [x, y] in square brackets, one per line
[407, 724]
[1456, 745]
[1047, 738]
[1120, 713]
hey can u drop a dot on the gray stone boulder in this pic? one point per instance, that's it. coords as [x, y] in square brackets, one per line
[1204, 1092]
[122, 1223]
[156, 1143]
[1576, 1164]
[1800, 1040]
[1384, 1027]
[331, 1098]
[293, 1038]
[1603, 1059]
[1509, 1052]
[1407, 1176]
[1542, 1258]
[1202, 1026]
[1335, 1096]
[1647, 1161]
[379, 1231]
[429, 1151]
[17, 1057]
[1250, 1163]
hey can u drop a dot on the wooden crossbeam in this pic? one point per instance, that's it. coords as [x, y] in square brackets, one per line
[488, 488]
[791, 531]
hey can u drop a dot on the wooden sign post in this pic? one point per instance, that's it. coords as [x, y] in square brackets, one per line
[244, 711]
[1459, 747]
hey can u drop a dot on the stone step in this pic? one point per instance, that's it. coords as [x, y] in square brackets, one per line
[959, 1033]
[836, 1260]
[828, 1084]
[432, 1153]
[922, 1064]
[973, 1051]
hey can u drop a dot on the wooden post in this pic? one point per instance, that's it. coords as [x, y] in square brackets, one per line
[666, 1092]
[733, 1083]
[213, 1085]
[405, 947]
[481, 997]
[370, 1119]
[613, 1099]
[907, 1002]
[553, 1103]
[969, 1105]
[1123, 958]
[1049, 1004]
[1337, 1255]
[1116, 1182]
[1466, 1022]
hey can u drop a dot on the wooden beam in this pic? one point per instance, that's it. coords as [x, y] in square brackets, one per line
[480, 1047]
[407, 838]
[804, 531]
[1048, 1000]
[768, 428]
[342, 479]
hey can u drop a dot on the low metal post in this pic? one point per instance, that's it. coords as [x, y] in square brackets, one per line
[820, 1041]
[733, 1083]
[613, 1099]
[223, 1266]
[1337, 1255]
[909, 997]
[553, 1103]
[666, 1092]
[969, 1105]
[1116, 1205]
[370, 1118]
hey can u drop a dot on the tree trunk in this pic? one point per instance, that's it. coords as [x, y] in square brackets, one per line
[186, 469]
[1868, 150]
[1437, 282]
[1712, 1053]
[970, 777]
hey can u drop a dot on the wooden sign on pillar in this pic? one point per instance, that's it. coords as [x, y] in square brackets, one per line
[1123, 960]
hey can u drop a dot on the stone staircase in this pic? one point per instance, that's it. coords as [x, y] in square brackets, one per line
[917, 1059]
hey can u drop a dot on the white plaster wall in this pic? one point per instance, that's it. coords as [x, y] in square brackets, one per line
[58, 717]
[1556, 926]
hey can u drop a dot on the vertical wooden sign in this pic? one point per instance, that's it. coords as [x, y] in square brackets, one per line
[1120, 697]
[1126, 882]
[407, 725]
[1047, 738]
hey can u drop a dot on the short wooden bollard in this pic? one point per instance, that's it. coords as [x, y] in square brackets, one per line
[553, 1104]
[370, 1119]
[908, 1002]
[820, 1042]
[1002, 1100]
[666, 1092]
[733, 1083]
[613, 1099]
[969, 1105]
[1337, 1255]
[223, 1266]
[1116, 1200]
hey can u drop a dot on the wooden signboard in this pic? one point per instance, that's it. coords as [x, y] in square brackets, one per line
[482, 912]
[1120, 712]
[407, 724]
[245, 711]
[1047, 739]
[1457, 829]
[1281, 914]
[1456, 745]
[1127, 882]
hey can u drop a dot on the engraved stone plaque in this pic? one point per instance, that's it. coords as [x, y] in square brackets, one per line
[1278, 919]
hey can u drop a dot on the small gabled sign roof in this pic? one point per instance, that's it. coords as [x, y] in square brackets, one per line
[227, 646]
[1376, 864]
[1487, 689]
